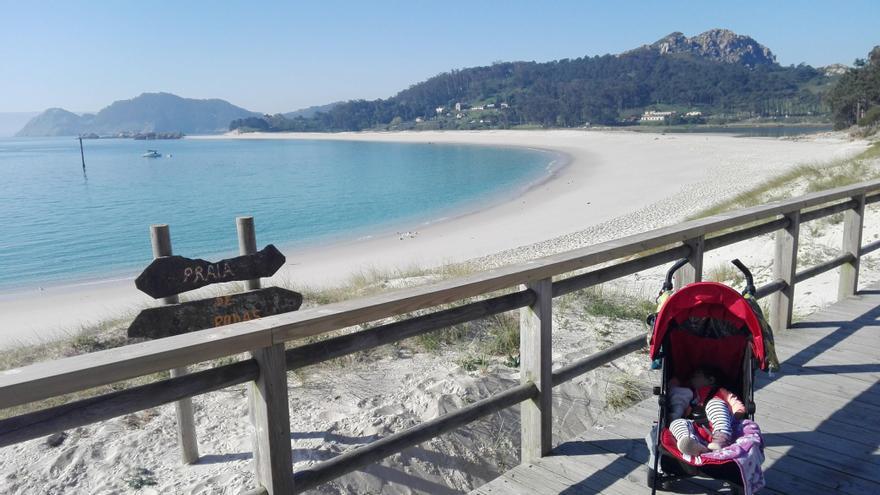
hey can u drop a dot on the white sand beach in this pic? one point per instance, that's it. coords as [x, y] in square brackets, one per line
[613, 184]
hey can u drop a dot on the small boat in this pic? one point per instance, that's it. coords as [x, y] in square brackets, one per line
[152, 154]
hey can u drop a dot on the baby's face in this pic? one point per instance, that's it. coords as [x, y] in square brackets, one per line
[701, 380]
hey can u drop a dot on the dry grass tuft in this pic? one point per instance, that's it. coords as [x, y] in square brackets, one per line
[813, 177]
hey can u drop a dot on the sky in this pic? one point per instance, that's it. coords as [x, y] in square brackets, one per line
[280, 56]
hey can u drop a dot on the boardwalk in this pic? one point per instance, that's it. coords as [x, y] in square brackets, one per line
[820, 418]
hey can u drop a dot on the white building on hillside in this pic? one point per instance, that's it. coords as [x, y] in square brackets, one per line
[655, 116]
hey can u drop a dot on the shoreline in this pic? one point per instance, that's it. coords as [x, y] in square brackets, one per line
[612, 184]
[551, 169]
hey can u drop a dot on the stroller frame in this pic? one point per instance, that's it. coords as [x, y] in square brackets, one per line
[667, 468]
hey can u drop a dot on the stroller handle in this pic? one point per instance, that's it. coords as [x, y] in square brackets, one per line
[667, 284]
[750, 283]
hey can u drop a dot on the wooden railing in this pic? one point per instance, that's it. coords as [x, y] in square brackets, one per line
[534, 288]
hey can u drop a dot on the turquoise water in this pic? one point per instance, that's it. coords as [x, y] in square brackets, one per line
[59, 226]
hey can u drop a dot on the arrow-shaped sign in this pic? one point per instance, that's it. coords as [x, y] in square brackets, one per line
[171, 275]
[175, 319]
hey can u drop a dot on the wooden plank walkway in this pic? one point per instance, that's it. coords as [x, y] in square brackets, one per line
[820, 418]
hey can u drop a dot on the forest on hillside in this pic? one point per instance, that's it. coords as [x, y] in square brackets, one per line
[606, 90]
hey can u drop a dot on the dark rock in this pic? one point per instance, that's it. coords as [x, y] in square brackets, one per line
[56, 439]
[874, 56]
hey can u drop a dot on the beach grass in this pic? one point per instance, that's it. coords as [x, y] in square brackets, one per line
[604, 302]
[472, 362]
[725, 273]
[625, 391]
[373, 280]
[815, 177]
[502, 335]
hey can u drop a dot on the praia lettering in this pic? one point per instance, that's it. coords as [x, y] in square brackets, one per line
[214, 273]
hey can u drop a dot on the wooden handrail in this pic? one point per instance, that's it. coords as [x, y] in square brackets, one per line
[335, 347]
[770, 288]
[729, 238]
[869, 248]
[823, 267]
[608, 273]
[349, 461]
[86, 411]
[593, 361]
[114, 404]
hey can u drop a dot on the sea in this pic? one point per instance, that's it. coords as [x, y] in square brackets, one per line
[63, 224]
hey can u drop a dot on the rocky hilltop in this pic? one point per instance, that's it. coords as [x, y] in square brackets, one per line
[721, 45]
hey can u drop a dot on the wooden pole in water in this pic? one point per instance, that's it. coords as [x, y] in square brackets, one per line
[82, 155]
[160, 238]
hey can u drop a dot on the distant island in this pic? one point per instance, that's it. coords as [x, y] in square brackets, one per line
[141, 136]
[157, 113]
[716, 77]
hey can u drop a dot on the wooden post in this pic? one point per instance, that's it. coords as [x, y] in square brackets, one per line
[852, 242]
[270, 417]
[267, 397]
[785, 267]
[160, 238]
[693, 271]
[536, 363]
[247, 243]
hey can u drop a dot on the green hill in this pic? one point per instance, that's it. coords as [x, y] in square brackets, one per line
[54, 122]
[717, 73]
[311, 111]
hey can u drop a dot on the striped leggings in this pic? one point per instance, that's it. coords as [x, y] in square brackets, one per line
[718, 413]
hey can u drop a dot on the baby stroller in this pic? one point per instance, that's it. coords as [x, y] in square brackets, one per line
[708, 323]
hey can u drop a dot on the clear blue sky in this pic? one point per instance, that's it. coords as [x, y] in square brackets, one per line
[276, 57]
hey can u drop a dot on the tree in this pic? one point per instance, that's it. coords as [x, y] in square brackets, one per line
[857, 92]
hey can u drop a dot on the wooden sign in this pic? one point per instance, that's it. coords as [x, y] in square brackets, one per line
[175, 319]
[170, 275]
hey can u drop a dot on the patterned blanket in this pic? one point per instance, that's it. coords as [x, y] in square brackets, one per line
[747, 451]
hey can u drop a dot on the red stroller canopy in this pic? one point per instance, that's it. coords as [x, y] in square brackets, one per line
[708, 300]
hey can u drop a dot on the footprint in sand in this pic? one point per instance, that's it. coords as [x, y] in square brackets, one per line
[389, 410]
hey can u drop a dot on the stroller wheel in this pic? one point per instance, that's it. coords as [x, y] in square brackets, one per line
[662, 483]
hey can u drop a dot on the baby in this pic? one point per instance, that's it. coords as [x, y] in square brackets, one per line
[720, 409]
